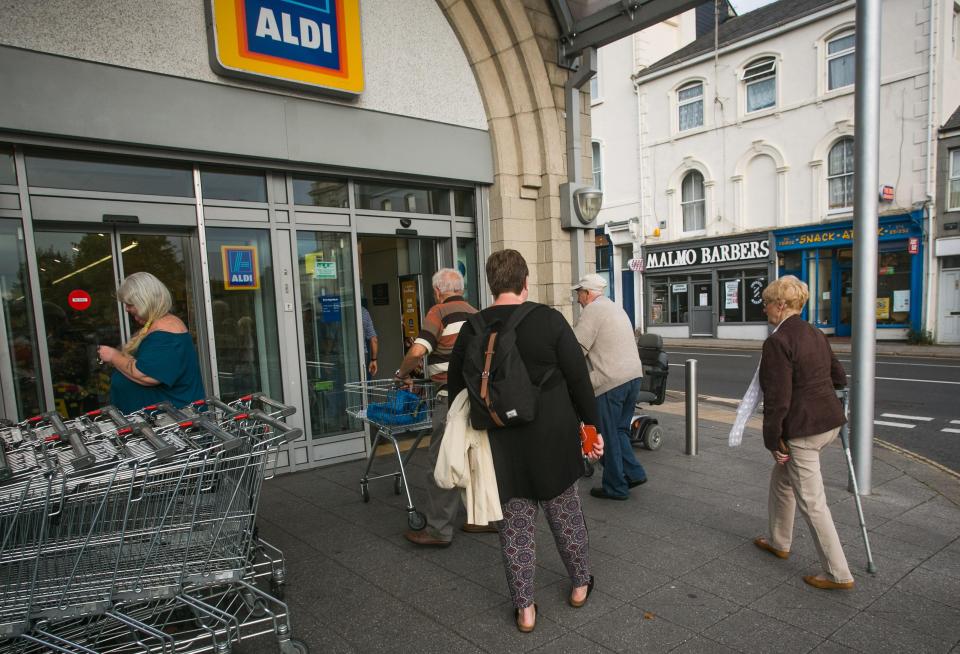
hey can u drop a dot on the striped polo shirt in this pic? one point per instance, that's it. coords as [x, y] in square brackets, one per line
[439, 332]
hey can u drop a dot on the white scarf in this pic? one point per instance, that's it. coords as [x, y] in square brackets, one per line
[751, 400]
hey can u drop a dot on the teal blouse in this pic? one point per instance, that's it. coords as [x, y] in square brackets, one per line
[169, 358]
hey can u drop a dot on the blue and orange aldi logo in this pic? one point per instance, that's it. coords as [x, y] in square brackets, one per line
[311, 43]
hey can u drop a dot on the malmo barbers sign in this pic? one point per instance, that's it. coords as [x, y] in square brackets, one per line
[708, 254]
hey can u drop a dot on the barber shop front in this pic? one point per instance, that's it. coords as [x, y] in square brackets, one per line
[708, 287]
[822, 256]
[273, 216]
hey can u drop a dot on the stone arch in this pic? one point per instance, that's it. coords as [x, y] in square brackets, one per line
[511, 47]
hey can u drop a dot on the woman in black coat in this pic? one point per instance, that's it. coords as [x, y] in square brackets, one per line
[538, 463]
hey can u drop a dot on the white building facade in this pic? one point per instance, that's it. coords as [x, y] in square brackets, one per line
[746, 168]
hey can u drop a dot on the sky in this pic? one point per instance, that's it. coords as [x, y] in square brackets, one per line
[743, 6]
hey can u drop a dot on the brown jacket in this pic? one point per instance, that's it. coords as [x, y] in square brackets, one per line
[798, 374]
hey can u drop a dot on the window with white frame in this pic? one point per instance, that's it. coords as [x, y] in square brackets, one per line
[760, 82]
[597, 166]
[841, 61]
[956, 30]
[690, 106]
[953, 191]
[840, 174]
[693, 202]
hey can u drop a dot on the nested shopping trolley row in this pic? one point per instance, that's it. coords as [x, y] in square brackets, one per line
[108, 520]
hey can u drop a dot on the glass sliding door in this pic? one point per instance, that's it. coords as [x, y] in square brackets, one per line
[328, 313]
[78, 264]
[79, 277]
[244, 312]
[18, 322]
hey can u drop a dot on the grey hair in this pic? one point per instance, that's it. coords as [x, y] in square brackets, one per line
[448, 280]
[151, 300]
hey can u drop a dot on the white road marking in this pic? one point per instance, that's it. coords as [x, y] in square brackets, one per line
[713, 354]
[951, 430]
[902, 417]
[955, 422]
[902, 363]
[922, 381]
[904, 425]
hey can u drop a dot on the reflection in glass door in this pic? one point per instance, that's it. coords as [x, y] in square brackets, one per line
[79, 276]
[328, 313]
[18, 322]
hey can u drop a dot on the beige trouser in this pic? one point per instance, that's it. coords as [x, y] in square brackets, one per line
[799, 484]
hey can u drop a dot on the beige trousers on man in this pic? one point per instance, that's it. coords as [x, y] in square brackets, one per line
[799, 484]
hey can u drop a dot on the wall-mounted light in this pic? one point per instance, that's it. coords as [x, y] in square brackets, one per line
[579, 206]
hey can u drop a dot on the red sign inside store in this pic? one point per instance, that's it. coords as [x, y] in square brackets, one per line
[79, 300]
[913, 245]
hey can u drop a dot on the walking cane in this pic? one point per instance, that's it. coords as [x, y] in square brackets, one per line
[844, 396]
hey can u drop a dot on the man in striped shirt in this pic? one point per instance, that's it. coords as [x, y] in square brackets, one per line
[438, 333]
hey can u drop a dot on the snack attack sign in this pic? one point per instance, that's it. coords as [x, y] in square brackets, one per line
[311, 44]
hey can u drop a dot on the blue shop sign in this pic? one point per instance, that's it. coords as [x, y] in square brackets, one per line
[892, 228]
[330, 308]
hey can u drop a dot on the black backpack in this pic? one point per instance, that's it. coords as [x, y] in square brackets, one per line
[500, 389]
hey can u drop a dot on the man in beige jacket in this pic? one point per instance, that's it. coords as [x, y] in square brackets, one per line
[606, 336]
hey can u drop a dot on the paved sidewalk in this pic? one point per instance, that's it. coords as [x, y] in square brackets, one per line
[675, 567]
[839, 344]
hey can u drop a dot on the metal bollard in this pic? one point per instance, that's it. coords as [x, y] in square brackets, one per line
[692, 401]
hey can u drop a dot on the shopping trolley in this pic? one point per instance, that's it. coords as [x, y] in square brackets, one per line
[392, 409]
[107, 518]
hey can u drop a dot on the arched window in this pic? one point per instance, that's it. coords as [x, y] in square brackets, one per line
[693, 203]
[690, 106]
[597, 165]
[760, 81]
[840, 174]
[840, 61]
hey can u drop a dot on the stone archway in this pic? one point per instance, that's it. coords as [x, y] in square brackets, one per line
[512, 48]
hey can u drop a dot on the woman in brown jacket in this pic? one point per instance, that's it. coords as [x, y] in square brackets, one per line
[801, 416]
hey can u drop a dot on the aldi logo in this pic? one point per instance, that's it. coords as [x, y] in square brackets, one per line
[240, 269]
[302, 43]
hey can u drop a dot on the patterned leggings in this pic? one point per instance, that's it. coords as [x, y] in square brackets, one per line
[518, 541]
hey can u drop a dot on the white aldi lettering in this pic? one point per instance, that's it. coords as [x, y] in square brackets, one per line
[723, 253]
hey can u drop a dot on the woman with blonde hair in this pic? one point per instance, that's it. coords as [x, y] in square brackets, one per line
[159, 362]
[801, 416]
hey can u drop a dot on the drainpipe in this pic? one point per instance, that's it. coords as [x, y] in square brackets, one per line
[640, 294]
[928, 202]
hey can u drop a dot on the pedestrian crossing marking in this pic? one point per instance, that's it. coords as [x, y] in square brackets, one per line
[905, 425]
[955, 422]
[951, 430]
[902, 417]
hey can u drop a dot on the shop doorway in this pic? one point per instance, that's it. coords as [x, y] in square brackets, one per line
[844, 290]
[701, 314]
[949, 328]
[396, 276]
[80, 270]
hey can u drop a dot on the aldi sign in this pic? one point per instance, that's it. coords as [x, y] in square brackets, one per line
[303, 43]
[240, 270]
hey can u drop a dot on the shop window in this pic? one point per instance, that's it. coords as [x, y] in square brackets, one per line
[233, 185]
[658, 303]
[690, 106]
[409, 199]
[320, 192]
[8, 173]
[841, 61]
[679, 299]
[953, 192]
[950, 262]
[693, 202]
[840, 175]
[597, 165]
[741, 295]
[604, 257]
[464, 203]
[100, 173]
[18, 321]
[760, 82]
[790, 263]
[893, 288]
[820, 274]
[244, 315]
